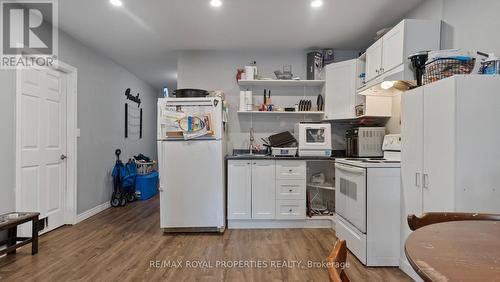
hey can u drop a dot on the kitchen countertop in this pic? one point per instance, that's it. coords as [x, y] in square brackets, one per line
[242, 154]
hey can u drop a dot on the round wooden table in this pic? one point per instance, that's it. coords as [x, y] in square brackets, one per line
[456, 251]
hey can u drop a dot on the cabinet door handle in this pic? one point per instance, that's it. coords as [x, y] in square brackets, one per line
[376, 71]
[290, 190]
[426, 181]
[417, 179]
[290, 210]
[290, 185]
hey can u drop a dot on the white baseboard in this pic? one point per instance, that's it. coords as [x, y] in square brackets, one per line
[405, 266]
[272, 224]
[93, 211]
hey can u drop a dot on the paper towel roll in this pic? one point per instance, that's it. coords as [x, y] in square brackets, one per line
[249, 72]
[248, 100]
[243, 100]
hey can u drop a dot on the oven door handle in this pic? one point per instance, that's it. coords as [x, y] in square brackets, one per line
[350, 169]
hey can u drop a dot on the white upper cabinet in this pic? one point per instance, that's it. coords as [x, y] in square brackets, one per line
[406, 38]
[393, 46]
[374, 60]
[342, 80]
[340, 93]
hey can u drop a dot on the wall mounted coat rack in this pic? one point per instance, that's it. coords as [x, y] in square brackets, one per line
[133, 98]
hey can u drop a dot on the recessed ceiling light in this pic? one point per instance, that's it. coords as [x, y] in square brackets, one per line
[117, 3]
[215, 3]
[316, 3]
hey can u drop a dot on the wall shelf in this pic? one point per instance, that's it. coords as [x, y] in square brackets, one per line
[278, 83]
[282, 113]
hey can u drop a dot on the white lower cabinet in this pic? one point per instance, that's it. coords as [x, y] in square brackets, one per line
[266, 189]
[287, 189]
[263, 192]
[239, 192]
[290, 209]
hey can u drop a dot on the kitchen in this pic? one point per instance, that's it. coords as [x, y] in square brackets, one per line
[308, 145]
[276, 189]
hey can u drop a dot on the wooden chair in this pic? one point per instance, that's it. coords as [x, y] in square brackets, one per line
[335, 262]
[415, 222]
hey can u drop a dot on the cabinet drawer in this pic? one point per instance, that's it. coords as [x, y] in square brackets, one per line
[291, 170]
[356, 241]
[291, 189]
[290, 209]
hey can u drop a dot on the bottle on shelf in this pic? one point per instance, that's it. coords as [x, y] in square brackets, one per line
[264, 108]
[269, 104]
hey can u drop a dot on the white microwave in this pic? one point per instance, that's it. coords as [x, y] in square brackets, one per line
[315, 139]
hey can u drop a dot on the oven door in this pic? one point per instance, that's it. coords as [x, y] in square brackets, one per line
[350, 202]
[315, 136]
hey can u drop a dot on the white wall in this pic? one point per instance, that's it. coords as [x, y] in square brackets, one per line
[101, 98]
[217, 70]
[469, 25]
[101, 86]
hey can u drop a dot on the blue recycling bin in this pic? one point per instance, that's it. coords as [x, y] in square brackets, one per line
[146, 186]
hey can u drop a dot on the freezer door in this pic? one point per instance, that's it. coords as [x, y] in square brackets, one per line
[192, 184]
[178, 116]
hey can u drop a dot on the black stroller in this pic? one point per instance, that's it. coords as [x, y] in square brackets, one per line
[123, 182]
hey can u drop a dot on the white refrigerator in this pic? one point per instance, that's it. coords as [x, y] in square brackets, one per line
[191, 164]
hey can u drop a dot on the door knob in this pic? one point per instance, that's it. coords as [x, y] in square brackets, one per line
[63, 157]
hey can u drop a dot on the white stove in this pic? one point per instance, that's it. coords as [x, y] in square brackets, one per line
[392, 155]
[367, 204]
[369, 162]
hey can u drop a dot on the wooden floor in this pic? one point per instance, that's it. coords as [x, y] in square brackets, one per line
[124, 244]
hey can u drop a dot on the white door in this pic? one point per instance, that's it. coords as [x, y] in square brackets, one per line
[393, 47]
[412, 154]
[239, 189]
[42, 145]
[412, 150]
[373, 60]
[263, 189]
[439, 146]
[340, 90]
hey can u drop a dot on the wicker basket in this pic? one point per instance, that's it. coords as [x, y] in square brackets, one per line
[446, 67]
[144, 168]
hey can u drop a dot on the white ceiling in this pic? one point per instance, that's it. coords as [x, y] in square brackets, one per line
[143, 35]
